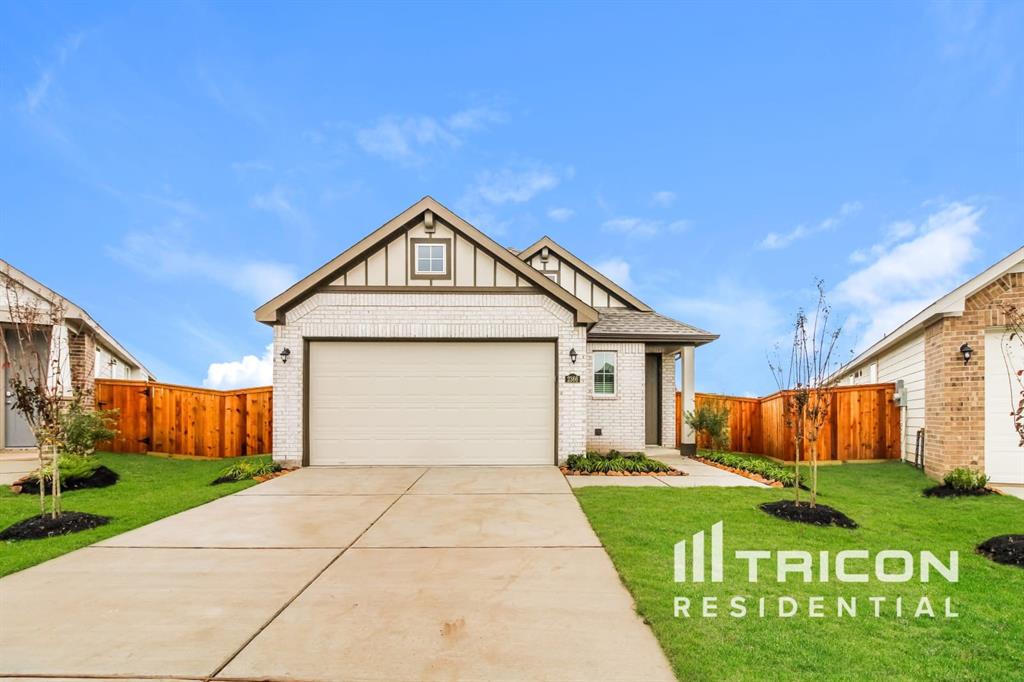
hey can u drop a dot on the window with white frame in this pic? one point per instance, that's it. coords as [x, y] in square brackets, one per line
[430, 259]
[604, 372]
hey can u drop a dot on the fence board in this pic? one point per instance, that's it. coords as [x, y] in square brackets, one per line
[862, 423]
[180, 420]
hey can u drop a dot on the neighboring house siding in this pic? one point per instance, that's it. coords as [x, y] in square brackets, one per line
[906, 363]
[390, 264]
[404, 315]
[620, 417]
[576, 283]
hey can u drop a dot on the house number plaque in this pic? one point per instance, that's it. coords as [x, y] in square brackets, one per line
[572, 378]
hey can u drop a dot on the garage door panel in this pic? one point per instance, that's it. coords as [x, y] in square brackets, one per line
[431, 402]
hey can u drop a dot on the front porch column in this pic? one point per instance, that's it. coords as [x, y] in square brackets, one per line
[688, 445]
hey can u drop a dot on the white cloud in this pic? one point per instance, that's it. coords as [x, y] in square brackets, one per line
[279, 202]
[560, 214]
[476, 118]
[664, 198]
[912, 267]
[405, 139]
[644, 227]
[165, 253]
[774, 240]
[35, 95]
[617, 270]
[514, 186]
[247, 372]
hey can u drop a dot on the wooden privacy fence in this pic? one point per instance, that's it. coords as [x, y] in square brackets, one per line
[863, 423]
[180, 420]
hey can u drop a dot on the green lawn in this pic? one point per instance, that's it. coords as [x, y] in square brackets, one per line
[640, 526]
[150, 488]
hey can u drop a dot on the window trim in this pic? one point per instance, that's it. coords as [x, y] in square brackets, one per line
[445, 244]
[615, 374]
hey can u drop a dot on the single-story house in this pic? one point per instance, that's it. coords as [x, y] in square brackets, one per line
[427, 342]
[952, 376]
[86, 350]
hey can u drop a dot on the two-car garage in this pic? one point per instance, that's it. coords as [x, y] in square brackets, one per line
[428, 402]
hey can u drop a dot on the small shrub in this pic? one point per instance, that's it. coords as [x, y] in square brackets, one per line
[755, 465]
[76, 471]
[712, 420]
[965, 480]
[83, 428]
[246, 469]
[632, 462]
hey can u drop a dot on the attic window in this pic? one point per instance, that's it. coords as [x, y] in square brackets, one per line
[431, 258]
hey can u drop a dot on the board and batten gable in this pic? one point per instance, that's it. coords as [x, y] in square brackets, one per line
[903, 362]
[468, 265]
[576, 282]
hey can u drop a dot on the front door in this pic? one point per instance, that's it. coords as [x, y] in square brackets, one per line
[652, 399]
[17, 434]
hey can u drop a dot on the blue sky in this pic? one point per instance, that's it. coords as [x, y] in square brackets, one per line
[170, 166]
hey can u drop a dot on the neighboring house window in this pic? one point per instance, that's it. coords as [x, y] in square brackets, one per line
[430, 259]
[604, 372]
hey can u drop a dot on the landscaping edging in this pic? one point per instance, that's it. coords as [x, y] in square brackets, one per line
[740, 472]
[569, 472]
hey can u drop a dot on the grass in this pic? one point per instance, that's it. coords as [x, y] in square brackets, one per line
[640, 526]
[150, 488]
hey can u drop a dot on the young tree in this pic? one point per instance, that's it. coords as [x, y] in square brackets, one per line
[36, 357]
[1013, 356]
[807, 392]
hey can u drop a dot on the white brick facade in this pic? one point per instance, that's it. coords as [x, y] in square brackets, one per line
[403, 315]
[621, 416]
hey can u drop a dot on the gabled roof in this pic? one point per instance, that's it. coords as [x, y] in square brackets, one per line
[950, 305]
[564, 253]
[623, 324]
[272, 312]
[73, 312]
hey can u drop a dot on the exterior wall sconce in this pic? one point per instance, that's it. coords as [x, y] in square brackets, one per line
[966, 351]
[573, 355]
[284, 355]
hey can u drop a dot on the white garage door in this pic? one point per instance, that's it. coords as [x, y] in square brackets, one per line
[431, 402]
[1004, 458]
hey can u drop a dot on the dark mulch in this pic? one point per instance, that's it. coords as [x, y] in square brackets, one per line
[819, 515]
[101, 478]
[948, 491]
[43, 526]
[1004, 549]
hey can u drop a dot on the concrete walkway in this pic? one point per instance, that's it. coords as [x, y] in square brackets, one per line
[16, 463]
[697, 474]
[341, 574]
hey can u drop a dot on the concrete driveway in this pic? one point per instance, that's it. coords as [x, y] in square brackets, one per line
[469, 573]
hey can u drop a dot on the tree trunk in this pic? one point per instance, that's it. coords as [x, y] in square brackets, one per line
[814, 470]
[42, 481]
[799, 438]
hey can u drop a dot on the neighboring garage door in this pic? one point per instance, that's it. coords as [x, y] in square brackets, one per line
[431, 402]
[1004, 458]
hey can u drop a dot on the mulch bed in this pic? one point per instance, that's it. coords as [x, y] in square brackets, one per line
[101, 478]
[43, 526]
[819, 515]
[1004, 549]
[949, 491]
[741, 472]
[673, 472]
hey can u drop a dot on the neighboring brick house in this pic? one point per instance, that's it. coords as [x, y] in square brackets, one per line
[428, 343]
[963, 407]
[86, 350]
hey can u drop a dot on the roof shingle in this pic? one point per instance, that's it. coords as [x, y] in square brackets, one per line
[625, 324]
